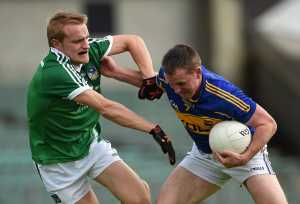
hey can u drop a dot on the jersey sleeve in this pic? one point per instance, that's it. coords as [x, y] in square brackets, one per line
[63, 81]
[99, 48]
[235, 102]
[238, 104]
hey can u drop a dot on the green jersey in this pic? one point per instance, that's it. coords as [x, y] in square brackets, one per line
[60, 129]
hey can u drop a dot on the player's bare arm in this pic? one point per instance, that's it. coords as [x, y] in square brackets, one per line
[114, 111]
[121, 115]
[265, 127]
[136, 47]
[111, 69]
[148, 87]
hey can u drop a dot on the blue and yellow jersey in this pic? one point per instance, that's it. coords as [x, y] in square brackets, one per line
[218, 100]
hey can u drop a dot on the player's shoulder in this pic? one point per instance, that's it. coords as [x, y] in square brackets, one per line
[215, 82]
[217, 88]
[96, 40]
[99, 47]
[54, 60]
[104, 43]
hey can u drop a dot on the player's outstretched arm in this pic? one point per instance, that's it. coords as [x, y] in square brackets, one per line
[136, 47]
[121, 115]
[111, 69]
[148, 87]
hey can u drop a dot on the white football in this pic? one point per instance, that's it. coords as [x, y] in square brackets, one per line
[229, 135]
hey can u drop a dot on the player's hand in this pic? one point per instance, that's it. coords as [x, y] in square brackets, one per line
[165, 143]
[150, 90]
[230, 159]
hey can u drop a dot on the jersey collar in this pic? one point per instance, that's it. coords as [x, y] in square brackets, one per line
[61, 57]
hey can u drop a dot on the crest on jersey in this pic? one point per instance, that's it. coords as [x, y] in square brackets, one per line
[187, 105]
[174, 105]
[92, 73]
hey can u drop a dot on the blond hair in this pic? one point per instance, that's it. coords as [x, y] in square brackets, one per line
[59, 20]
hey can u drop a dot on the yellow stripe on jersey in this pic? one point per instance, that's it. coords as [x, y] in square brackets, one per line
[197, 124]
[224, 114]
[227, 96]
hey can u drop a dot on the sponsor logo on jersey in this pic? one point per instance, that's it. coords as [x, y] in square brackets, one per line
[92, 73]
[197, 124]
[82, 107]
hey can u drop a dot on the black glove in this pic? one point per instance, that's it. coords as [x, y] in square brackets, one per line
[150, 90]
[165, 143]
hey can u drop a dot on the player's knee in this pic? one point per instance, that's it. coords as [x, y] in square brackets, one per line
[143, 197]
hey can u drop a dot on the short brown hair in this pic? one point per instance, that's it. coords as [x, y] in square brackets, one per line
[59, 20]
[181, 56]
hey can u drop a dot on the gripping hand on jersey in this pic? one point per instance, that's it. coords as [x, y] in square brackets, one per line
[150, 90]
[165, 143]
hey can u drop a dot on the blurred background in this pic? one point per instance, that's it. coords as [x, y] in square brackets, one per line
[255, 44]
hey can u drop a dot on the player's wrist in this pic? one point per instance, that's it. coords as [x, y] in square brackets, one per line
[149, 89]
[148, 75]
[246, 156]
[156, 130]
[159, 136]
[150, 78]
[165, 143]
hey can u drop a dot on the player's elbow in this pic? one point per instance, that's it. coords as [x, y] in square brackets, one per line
[136, 40]
[274, 126]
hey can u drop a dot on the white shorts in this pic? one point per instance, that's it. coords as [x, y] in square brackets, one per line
[206, 167]
[68, 182]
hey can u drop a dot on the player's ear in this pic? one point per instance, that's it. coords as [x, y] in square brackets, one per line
[55, 43]
[198, 72]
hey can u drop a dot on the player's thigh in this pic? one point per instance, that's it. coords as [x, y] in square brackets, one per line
[183, 187]
[89, 198]
[124, 183]
[265, 189]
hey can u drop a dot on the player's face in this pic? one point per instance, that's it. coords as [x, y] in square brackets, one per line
[75, 43]
[184, 82]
